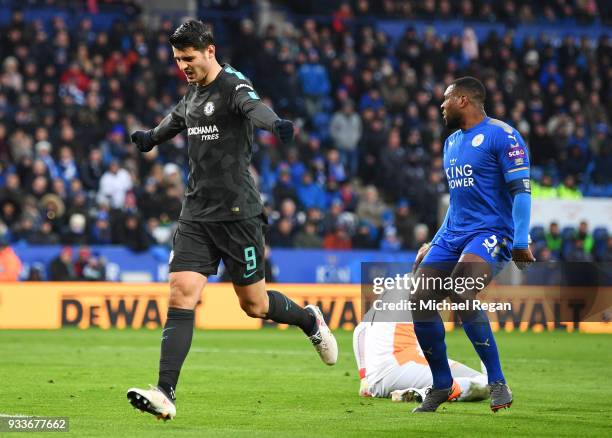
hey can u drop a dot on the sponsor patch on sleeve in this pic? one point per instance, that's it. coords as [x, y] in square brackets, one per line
[516, 152]
[243, 85]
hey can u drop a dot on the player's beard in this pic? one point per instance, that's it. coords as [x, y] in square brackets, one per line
[452, 121]
[196, 76]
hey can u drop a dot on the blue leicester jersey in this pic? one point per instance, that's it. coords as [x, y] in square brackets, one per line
[479, 162]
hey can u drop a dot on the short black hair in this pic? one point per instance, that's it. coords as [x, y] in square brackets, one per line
[192, 33]
[472, 87]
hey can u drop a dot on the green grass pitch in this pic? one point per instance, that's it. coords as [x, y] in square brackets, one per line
[271, 383]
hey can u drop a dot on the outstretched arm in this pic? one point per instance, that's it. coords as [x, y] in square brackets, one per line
[170, 126]
[247, 102]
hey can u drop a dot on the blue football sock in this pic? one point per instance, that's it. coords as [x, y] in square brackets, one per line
[430, 335]
[478, 329]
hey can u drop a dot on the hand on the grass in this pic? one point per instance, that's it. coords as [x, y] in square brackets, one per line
[522, 257]
[423, 250]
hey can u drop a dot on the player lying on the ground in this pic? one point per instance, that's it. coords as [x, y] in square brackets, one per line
[391, 364]
[222, 216]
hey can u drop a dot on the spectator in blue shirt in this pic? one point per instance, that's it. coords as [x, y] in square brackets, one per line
[315, 82]
[310, 194]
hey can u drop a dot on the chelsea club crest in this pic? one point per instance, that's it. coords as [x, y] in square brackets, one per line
[209, 108]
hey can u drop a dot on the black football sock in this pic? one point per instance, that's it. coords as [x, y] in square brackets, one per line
[176, 341]
[285, 311]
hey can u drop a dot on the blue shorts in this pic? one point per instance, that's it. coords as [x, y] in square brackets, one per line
[448, 248]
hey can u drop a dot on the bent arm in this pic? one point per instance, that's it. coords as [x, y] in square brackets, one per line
[171, 125]
[256, 111]
[167, 129]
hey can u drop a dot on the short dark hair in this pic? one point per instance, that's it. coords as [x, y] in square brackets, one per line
[472, 87]
[192, 33]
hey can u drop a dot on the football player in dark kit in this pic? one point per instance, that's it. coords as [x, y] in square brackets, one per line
[222, 215]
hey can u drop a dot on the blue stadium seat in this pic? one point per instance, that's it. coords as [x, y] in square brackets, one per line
[568, 233]
[598, 191]
[600, 234]
[536, 173]
[537, 234]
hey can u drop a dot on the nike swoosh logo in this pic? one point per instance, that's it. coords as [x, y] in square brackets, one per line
[164, 331]
[249, 275]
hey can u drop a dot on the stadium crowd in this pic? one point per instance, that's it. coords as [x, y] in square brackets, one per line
[365, 170]
[510, 11]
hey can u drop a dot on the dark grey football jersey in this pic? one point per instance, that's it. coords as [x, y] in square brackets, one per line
[219, 119]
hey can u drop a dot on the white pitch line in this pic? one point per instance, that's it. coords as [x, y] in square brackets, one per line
[252, 351]
[211, 350]
[305, 352]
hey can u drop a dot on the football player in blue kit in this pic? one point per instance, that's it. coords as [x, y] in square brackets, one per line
[487, 223]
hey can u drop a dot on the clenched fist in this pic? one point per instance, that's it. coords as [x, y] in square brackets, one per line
[284, 130]
[143, 140]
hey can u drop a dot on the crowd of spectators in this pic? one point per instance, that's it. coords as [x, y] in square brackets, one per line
[365, 170]
[570, 256]
[569, 244]
[85, 265]
[509, 11]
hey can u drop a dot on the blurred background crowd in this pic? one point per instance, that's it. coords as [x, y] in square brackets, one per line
[366, 168]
